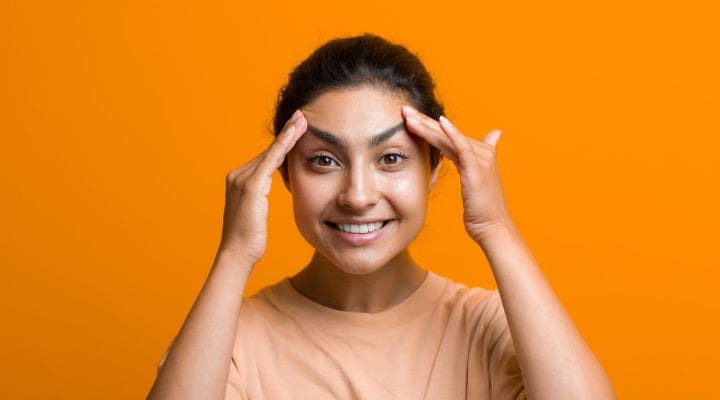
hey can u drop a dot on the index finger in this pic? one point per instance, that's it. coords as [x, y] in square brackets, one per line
[283, 143]
[429, 129]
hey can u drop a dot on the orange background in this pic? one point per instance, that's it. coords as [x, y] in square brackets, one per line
[120, 121]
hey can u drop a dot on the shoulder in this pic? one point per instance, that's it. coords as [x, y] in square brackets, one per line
[478, 309]
[265, 307]
[255, 305]
[474, 302]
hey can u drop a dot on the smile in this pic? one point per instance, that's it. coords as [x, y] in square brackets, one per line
[360, 235]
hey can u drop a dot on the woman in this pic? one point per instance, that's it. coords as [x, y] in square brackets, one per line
[360, 138]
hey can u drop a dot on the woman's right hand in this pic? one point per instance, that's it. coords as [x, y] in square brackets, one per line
[246, 205]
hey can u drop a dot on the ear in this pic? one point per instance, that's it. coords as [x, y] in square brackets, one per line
[436, 171]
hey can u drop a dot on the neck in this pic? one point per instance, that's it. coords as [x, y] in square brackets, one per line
[323, 282]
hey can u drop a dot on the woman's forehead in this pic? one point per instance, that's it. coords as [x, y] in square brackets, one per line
[363, 105]
[356, 117]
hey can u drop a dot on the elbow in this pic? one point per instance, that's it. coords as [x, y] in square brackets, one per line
[600, 391]
[597, 391]
[607, 393]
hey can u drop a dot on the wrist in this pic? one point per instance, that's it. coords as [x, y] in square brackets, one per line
[498, 230]
[234, 257]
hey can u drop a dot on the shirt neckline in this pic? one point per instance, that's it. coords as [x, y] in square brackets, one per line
[287, 298]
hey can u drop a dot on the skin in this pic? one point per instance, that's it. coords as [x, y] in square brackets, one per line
[359, 182]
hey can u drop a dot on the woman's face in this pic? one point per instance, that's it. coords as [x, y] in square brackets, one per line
[358, 163]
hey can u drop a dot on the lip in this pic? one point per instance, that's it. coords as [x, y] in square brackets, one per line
[361, 239]
[358, 221]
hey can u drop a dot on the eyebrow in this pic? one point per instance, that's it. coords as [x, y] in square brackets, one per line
[336, 141]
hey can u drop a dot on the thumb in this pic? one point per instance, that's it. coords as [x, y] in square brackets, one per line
[492, 137]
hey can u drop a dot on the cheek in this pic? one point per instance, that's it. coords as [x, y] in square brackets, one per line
[408, 194]
[304, 192]
[306, 211]
[308, 200]
[408, 189]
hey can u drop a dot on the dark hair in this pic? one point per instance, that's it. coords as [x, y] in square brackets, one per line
[356, 61]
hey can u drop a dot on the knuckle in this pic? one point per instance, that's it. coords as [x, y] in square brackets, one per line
[252, 184]
[487, 147]
[230, 177]
[275, 153]
[238, 181]
[485, 150]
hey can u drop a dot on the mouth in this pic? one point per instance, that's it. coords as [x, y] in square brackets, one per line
[359, 238]
[336, 227]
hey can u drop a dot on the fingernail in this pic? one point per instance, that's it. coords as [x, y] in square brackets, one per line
[445, 120]
[292, 118]
[408, 109]
[413, 120]
[298, 119]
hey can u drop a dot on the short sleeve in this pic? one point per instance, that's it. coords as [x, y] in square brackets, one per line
[504, 372]
[235, 389]
[493, 367]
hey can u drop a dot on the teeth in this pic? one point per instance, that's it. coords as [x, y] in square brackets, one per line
[364, 228]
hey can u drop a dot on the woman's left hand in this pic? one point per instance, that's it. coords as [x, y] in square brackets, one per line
[484, 204]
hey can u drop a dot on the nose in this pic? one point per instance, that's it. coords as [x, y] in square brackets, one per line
[359, 189]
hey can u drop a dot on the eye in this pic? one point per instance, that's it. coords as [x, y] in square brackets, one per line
[394, 159]
[324, 161]
[391, 160]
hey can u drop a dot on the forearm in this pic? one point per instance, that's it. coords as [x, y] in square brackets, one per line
[556, 362]
[197, 364]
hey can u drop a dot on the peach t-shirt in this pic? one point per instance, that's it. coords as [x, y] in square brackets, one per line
[444, 341]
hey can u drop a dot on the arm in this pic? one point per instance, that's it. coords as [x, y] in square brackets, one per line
[197, 364]
[555, 361]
